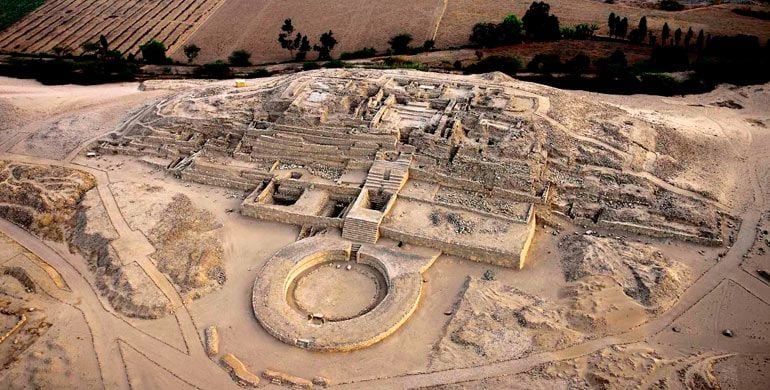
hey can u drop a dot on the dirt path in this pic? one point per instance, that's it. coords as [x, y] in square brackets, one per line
[130, 245]
[108, 329]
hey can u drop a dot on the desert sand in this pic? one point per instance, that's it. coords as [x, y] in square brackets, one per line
[125, 238]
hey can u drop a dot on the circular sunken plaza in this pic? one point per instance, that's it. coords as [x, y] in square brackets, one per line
[319, 295]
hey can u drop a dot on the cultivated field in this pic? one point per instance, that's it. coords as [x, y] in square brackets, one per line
[244, 24]
[461, 15]
[222, 26]
[126, 24]
[239, 24]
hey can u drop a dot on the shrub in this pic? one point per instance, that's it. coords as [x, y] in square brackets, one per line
[670, 5]
[580, 31]
[333, 64]
[545, 63]
[400, 63]
[239, 58]
[191, 52]
[399, 44]
[214, 70]
[507, 65]
[492, 34]
[746, 11]
[366, 52]
[669, 58]
[578, 64]
[311, 66]
[260, 72]
[154, 52]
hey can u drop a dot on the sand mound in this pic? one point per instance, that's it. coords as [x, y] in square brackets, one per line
[41, 199]
[494, 322]
[125, 284]
[187, 249]
[645, 275]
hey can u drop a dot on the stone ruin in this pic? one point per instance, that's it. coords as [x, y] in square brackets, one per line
[459, 164]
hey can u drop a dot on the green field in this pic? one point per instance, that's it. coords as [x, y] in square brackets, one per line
[13, 10]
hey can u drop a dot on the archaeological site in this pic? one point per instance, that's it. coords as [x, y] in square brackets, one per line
[363, 228]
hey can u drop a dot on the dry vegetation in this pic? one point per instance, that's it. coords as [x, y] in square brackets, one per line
[186, 249]
[41, 199]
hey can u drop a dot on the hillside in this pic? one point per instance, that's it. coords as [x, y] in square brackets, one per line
[222, 26]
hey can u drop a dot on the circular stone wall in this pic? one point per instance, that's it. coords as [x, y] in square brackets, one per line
[337, 290]
[311, 294]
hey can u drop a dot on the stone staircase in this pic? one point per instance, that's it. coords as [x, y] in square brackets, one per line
[361, 230]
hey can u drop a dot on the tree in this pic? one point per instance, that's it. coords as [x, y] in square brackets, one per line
[668, 58]
[580, 31]
[688, 38]
[328, 42]
[428, 45]
[61, 51]
[622, 28]
[643, 26]
[90, 48]
[154, 52]
[611, 24]
[665, 34]
[510, 30]
[612, 67]
[700, 41]
[104, 47]
[484, 35]
[284, 37]
[400, 43]
[677, 36]
[578, 64]
[539, 24]
[239, 58]
[638, 34]
[652, 38]
[302, 47]
[191, 51]
[635, 36]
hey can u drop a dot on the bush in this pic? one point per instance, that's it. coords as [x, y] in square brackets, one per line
[366, 52]
[670, 5]
[746, 11]
[334, 64]
[257, 73]
[545, 63]
[736, 59]
[81, 70]
[578, 64]
[154, 52]
[581, 31]
[400, 63]
[311, 66]
[669, 59]
[239, 58]
[507, 65]
[399, 44]
[214, 70]
[492, 34]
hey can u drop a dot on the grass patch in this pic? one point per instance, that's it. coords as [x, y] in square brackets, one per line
[13, 10]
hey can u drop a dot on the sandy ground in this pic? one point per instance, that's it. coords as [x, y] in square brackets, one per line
[641, 347]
